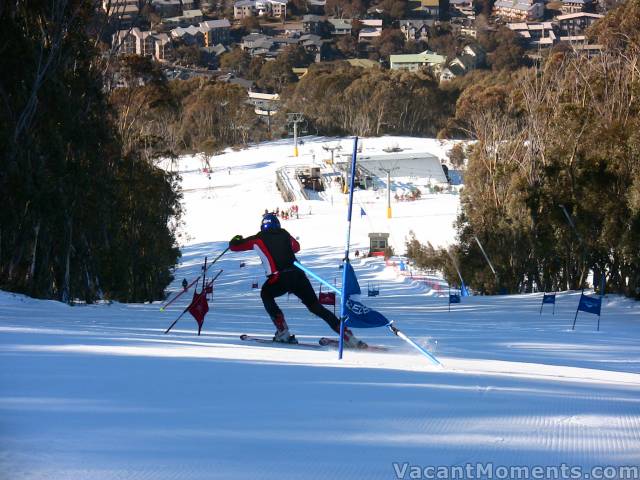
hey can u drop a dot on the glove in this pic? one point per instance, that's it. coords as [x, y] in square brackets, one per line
[237, 238]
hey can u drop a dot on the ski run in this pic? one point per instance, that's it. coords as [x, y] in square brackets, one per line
[99, 392]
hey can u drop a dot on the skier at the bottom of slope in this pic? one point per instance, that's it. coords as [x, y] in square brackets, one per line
[277, 249]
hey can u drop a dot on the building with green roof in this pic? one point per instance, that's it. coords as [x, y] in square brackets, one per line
[416, 61]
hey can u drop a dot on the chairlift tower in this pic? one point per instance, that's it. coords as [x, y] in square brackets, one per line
[388, 172]
[294, 119]
[332, 150]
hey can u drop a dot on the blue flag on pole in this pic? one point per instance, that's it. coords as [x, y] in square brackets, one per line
[351, 285]
[361, 316]
[358, 315]
[590, 304]
[549, 298]
[362, 212]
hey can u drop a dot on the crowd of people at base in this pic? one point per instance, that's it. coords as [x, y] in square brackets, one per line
[408, 197]
[286, 213]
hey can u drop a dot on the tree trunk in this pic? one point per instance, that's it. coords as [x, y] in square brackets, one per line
[66, 288]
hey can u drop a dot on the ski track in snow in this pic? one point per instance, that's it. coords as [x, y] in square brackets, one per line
[99, 392]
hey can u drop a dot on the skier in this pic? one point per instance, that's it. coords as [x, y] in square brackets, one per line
[277, 249]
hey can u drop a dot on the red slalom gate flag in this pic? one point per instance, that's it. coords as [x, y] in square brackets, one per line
[328, 298]
[199, 308]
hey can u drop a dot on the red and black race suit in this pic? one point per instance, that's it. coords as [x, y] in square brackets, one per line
[276, 249]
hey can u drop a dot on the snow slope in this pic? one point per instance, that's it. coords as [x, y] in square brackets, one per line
[99, 392]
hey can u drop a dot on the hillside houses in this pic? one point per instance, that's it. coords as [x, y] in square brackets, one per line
[183, 25]
[415, 29]
[576, 6]
[576, 23]
[340, 26]
[417, 61]
[249, 8]
[469, 59]
[187, 18]
[568, 28]
[371, 29]
[429, 8]
[258, 44]
[519, 10]
[167, 8]
[158, 45]
[536, 34]
[464, 7]
[124, 12]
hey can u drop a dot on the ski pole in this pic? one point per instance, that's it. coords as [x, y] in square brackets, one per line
[194, 282]
[317, 277]
[176, 320]
[424, 352]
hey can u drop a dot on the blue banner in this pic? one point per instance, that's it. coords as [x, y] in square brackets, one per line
[590, 304]
[358, 315]
[454, 298]
[549, 298]
[351, 285]
[361, 316]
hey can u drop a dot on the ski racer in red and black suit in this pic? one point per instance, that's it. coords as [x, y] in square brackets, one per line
[277, 248]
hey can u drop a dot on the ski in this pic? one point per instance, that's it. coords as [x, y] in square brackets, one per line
[249, 338]
[334, 343]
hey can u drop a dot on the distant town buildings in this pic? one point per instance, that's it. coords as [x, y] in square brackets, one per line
[576, 23]
[370, 30]
[188, 17]
[249, 8]
[122, 11]
[536, 34]
[523, 10]
[470, 58]
[340, 26]
[415, 29]
[417, 61]
[158, 45]
[167, 8]
[576, 6]
[184, 23]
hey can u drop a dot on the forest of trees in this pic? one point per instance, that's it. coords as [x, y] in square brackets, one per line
[344, 100]
[84, 214]
[562, 137]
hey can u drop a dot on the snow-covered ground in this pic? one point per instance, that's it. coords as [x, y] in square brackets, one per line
[99, 392]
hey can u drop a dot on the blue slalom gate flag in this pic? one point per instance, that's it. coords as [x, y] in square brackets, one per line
[589, 305]
[463, 290]
[358, 315]
[362, 212]
[351, 285]
[548, 299]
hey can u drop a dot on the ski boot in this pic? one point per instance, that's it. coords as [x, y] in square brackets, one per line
[282, 334]
[350, 341]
